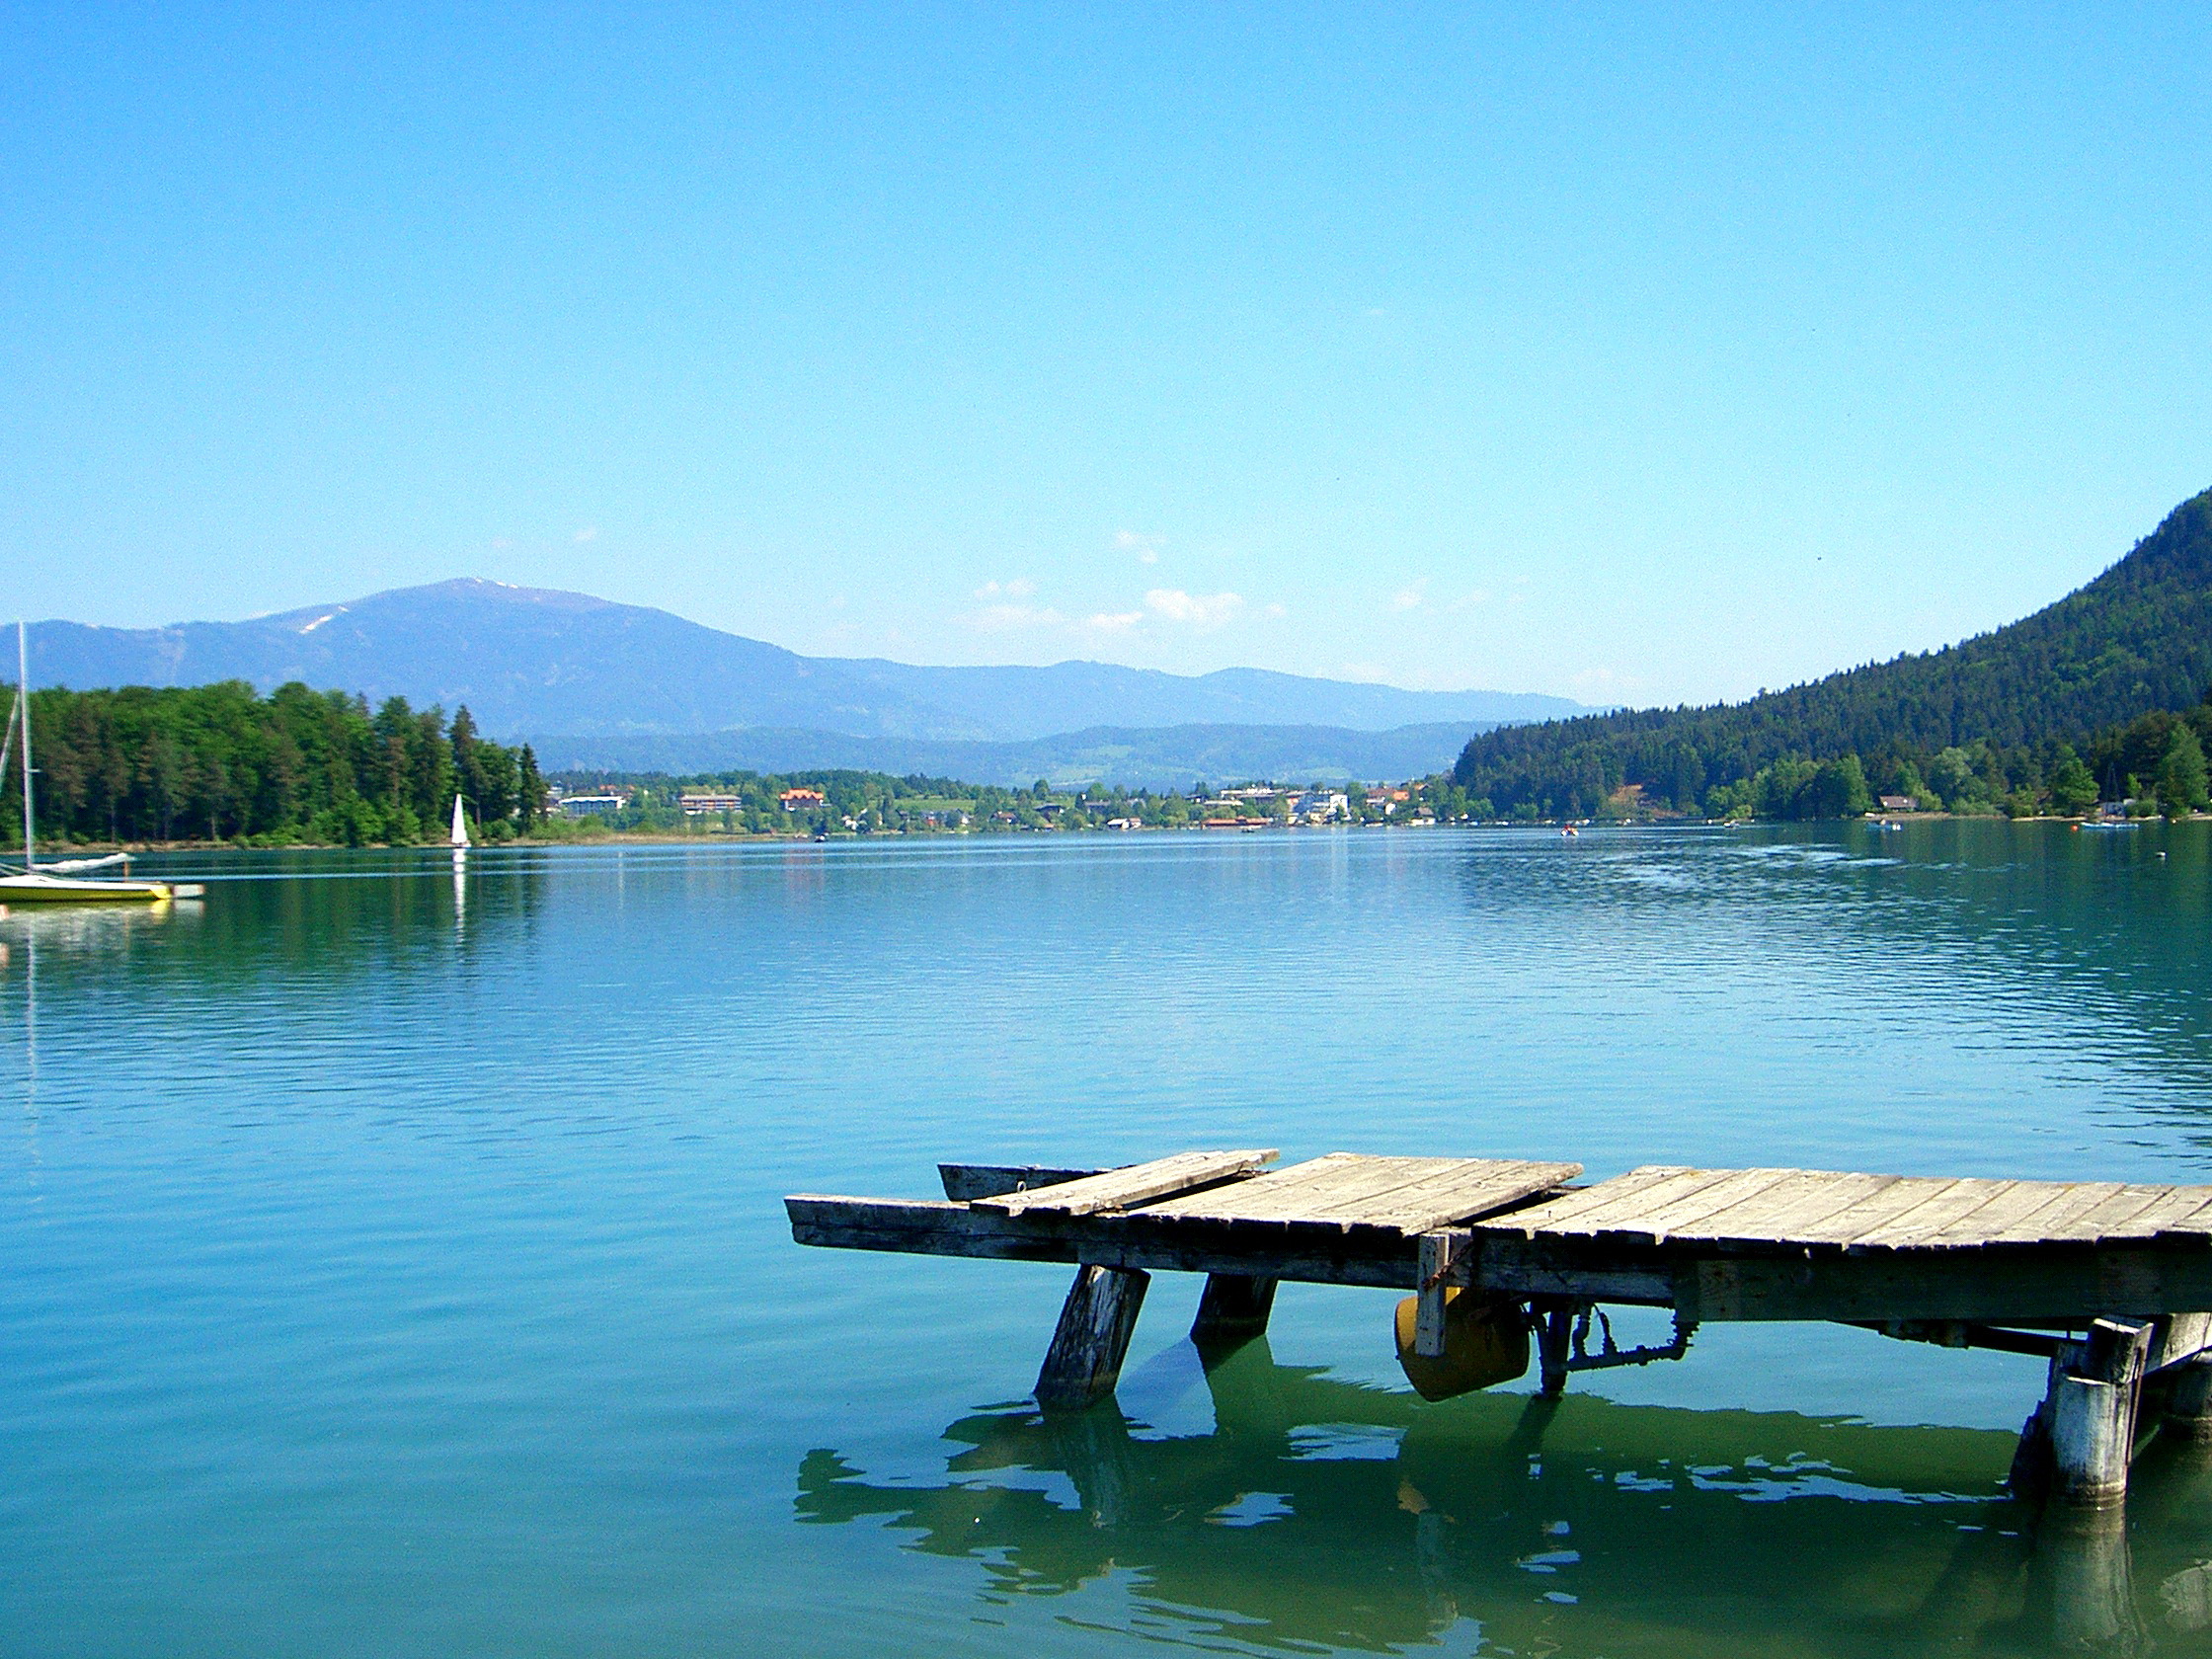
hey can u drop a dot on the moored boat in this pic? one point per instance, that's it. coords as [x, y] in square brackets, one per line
[38, 887]
[64, 884]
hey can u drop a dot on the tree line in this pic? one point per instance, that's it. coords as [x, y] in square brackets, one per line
[2156, 761]
[221, 763]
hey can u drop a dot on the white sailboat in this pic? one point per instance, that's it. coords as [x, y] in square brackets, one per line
[66, 882]
[459, 840]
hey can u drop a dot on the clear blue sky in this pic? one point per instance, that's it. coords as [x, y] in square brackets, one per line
[1611, 354]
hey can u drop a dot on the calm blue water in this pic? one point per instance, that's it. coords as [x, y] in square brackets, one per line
[398, 1267]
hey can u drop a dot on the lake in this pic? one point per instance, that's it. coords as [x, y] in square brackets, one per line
[396, 1263]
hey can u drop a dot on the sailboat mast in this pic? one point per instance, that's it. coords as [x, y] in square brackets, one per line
[23, 702]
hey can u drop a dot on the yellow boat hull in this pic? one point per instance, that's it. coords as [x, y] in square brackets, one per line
[62, 889]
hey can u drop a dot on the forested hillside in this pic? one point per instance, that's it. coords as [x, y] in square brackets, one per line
[1994, 710]
[221, 764]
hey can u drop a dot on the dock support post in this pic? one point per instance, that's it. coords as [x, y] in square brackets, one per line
[1231, 1310]
[2093, 1434]
[1554, 1337]
[2188, 1408]
[2078, 1445]
[1096, 1322]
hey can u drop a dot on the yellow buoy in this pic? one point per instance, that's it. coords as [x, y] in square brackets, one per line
[1485, 1342]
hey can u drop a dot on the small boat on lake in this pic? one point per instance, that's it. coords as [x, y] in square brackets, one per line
[69, 882]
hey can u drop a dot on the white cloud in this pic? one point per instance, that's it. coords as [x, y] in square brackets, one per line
[1128, 541]
[1470, 598]
[1200, 610]
[1412, 596]
[590, 532]
[1020, 587]
[1277, 610]
[1114, 621]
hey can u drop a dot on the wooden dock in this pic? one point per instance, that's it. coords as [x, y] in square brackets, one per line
[2110, 1283]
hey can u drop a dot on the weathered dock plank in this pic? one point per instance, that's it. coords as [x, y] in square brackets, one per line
[964, 1182]
[1286, 1225]
[928, 1228]
[1653, 1184]
[1638, 1222]
[1962, 1210]
[2058, 1204]
[1122, 1189]
[1344, 1190]
[1787, 1209]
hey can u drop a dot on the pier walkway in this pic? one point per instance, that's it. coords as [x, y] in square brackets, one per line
[2110, 1283]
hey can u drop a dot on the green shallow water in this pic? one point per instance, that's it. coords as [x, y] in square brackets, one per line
[396, 1264]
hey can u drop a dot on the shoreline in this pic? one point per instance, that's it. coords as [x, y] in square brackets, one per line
[720, 837]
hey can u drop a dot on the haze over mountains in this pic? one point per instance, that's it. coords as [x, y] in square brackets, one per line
[595, 684]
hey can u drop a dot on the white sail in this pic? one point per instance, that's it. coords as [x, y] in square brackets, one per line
[461, 825]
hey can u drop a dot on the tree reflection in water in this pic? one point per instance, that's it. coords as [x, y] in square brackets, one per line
[1325, 1514]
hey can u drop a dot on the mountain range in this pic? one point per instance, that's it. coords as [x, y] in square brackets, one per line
[594, 683]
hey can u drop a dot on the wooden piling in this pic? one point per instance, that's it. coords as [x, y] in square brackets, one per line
[1096, 1322]
[2188, 1407]
[1554, 1336]
[1444, 1255]
[2089, 1414]
[1231, 1310]
[2091, 1424]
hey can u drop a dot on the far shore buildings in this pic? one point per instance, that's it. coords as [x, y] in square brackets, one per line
[699, 803]
[602, 803]
[1259, 804]
[705, 803]
[1900, 803]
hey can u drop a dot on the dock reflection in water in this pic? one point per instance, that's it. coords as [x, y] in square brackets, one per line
[1322, 1515]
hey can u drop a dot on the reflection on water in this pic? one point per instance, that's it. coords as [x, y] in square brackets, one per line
[1320, 1515]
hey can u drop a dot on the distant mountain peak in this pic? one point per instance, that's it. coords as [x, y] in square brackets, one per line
[476, 593]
